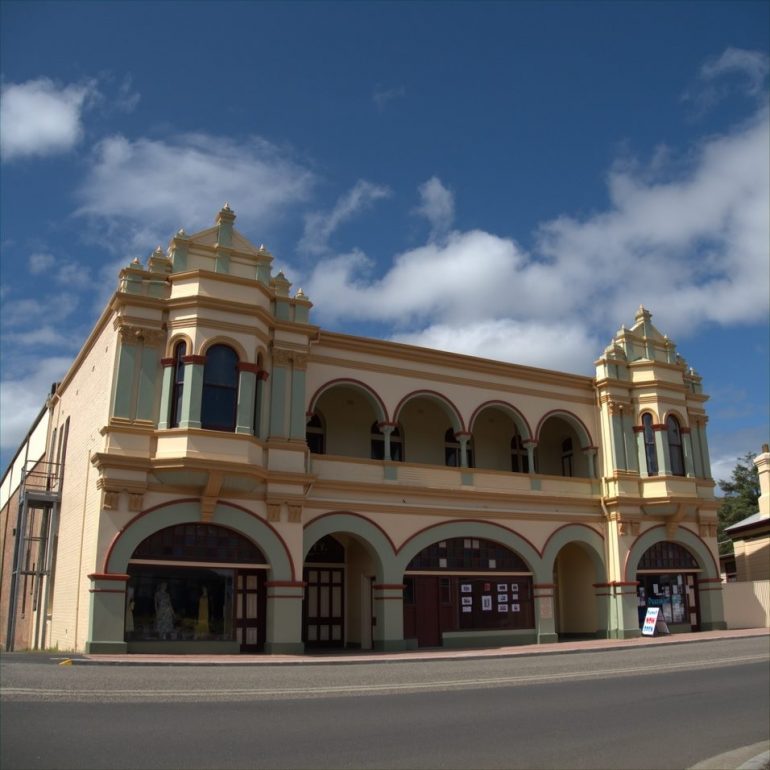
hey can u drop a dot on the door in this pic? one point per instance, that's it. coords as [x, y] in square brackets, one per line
[250, 610]
[323, 613]
[426, 588]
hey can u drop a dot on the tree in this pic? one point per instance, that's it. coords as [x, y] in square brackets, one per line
[741, 499]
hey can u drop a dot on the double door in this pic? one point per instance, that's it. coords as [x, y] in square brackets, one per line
[250, 605]
[323, 608]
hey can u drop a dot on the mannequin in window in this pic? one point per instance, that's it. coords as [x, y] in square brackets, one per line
[202, 626]
[164, 612]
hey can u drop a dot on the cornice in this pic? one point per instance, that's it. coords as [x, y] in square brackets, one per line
[390, 350]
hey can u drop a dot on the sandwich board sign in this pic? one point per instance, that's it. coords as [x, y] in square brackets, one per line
[653, 621]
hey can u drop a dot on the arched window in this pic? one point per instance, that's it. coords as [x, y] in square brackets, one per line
[315, 435]
[566, 457]
[451, 449]
[519, 457]
[177, 386]
[650, 453]
[378, 442]
[675, 446]
[220, 389]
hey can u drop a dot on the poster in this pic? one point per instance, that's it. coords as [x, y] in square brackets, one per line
[502, 608]
[467, 600]
[502, 588]
[502, 598]
[486, 603]
[466, 588]
[467, 609]
[515, 608]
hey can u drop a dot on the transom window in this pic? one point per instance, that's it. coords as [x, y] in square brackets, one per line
[200, 543]
[667, 556]
[466, 553]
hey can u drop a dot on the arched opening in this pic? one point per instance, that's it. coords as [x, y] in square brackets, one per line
[667, 577]
[348, 413]
[196, 582]
[315, 434]
[558, 450]
[574, 576]
[429, 427]
[498, 441]
[466, 584]
[337, 612]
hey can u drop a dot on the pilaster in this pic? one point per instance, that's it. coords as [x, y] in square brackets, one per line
[388, 607]
[192, 394]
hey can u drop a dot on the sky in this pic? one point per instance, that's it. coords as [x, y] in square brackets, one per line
[509, 180]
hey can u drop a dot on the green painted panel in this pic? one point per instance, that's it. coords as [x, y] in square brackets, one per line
[122, 401]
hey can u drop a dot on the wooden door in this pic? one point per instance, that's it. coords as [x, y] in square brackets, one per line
[323, 608]
[426, 589]
[250, 610]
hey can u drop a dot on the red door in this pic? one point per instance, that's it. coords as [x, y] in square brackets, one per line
[426, 599]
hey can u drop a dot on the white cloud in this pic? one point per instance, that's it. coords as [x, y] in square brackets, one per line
[383, 96]
[319, 226]
[689, 241]
[140, 191]
[41, 118]
[40, 262]
[531, 343]
[753, 65]
[23, 394]
[437, 205]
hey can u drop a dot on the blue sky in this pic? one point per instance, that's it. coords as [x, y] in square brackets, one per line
[510, 180]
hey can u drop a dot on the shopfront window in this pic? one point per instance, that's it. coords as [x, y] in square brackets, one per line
[179, 604]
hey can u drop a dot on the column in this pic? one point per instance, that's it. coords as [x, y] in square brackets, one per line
[192, 392]
[247, 380]
[625, 610]
[544, 613]
[284, 617]
[260, 423]
[298, 418]
[590, 453]
[618, 444]
[631, 448]
[388, 606]
[386, 428]
[530, 444]
[603, 599]
[704, 445]
[124, 381]
[712, 613]
[107, 614]
[278, 385]
[464, 438]
[641, 453]
[165, 392]
[145, 398]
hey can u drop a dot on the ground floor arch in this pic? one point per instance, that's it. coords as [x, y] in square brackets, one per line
[676, 571]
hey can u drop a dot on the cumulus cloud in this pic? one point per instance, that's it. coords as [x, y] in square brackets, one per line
[40, 117]
[319, 226]
[40, 262]
[140, 191]
[688, 240]
[22, 394]
[754, 66]
[533, 343]
[437, 205]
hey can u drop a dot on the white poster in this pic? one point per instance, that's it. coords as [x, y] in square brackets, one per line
[466, 588]
[502, 587]
[467, 609]
[486, 603]
[515, 608]
[467, 600]
[502, 608]
[502, 598]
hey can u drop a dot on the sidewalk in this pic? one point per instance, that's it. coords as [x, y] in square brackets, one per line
[366, 656]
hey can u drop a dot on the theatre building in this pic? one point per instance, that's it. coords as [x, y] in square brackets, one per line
[215, 473]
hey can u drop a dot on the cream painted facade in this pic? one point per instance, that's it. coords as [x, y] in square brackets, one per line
[238, 478]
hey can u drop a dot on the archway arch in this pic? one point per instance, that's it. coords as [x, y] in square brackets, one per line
[371, 396]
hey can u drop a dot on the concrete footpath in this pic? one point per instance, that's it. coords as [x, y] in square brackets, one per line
[368, 656]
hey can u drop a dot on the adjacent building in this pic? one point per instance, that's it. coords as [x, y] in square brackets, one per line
[216, 473]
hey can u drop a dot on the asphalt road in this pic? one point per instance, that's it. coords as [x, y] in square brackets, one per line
[662, 707]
